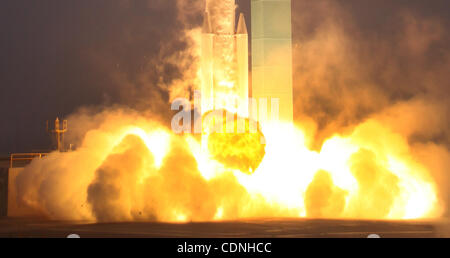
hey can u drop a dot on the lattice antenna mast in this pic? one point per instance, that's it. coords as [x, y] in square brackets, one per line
[58, 133]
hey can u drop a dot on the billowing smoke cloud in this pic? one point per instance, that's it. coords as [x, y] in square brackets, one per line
[323, 199]
[116, 175]
[351, 65]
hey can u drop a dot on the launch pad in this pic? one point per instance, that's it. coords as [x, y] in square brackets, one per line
[257, 228]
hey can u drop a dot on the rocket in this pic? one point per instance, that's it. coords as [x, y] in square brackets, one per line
[224, 59]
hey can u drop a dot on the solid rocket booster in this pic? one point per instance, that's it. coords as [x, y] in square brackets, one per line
[224, 59]
[272, 57]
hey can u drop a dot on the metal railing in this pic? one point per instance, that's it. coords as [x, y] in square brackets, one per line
[25, 157]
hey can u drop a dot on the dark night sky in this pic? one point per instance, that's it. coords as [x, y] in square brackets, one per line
[58, 55]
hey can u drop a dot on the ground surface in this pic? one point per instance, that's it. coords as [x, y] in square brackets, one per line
[261, 228]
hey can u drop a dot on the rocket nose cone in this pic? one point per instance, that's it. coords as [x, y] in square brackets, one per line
[206, 24]
[242, 26]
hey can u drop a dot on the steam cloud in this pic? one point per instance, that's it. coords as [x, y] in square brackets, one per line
[350, 66]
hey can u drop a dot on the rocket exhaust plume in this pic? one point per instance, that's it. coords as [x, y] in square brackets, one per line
[131, 167]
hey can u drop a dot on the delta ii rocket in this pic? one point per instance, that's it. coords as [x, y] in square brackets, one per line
[224, 59]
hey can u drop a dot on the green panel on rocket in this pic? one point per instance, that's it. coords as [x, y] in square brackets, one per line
[272, 55]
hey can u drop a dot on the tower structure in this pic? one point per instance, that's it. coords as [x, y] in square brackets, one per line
[272, 57]
[58, 133]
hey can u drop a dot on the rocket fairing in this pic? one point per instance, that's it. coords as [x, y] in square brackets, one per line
[224, 59]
